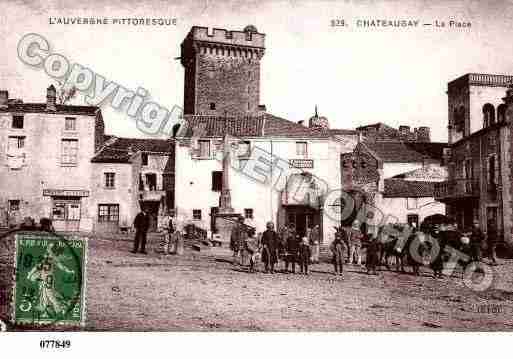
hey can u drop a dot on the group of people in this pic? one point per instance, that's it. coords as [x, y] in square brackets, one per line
[272, 246]
[286, 245]
[172, 241]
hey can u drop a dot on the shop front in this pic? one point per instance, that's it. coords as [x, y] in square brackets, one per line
[66, 211]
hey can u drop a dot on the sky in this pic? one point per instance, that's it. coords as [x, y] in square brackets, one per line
[355, 75]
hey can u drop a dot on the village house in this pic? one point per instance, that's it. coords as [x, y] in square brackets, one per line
[395, 172]
[45, 153]
[478, 156]
[57, 162]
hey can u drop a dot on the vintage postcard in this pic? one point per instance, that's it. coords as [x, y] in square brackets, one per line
[256, 166]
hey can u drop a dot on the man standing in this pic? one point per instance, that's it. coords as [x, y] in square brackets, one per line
[315, 243]
[492, 242]
[141, 225]
[355, 243]
[476, 241]
[338, 249]
[270, 244]
[292, 248]
[237, 239]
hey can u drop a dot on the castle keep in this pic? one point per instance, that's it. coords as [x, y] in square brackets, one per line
[222, 71]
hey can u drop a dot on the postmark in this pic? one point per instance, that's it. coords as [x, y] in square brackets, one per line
[49, 286]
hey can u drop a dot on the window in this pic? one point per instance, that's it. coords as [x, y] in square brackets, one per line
[244, 149]
[151, 181]
[70, 124]
[16, 143]
[66, 210]
[141, 183]
[468, 169]
[412, 203]
[109, 179]
[204, 149]
[14, 205]
[248, 213]
[108, 213]
[501, 113]
[459, 119]
[212, 106]
[488, 115]
[217, 181]
[413, 219]
[491, 171]
[144, 159]
[196, 214]
[302, 149]
[69, 151]
[17, 121]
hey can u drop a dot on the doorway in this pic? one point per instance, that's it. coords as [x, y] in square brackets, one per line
[302, 217]
[152, 208]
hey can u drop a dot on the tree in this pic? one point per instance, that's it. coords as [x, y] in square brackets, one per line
[65, 94]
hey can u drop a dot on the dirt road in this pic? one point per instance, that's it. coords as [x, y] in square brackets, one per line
[202, 291]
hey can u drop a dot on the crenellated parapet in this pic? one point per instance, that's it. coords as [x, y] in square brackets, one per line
[247, 44]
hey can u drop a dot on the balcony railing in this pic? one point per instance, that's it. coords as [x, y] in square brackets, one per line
[460, 188]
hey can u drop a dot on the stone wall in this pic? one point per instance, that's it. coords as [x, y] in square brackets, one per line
[7, 275]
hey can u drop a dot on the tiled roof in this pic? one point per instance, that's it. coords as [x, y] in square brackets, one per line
[280, 127]
[396, 187]
[249, 126]
[41, 108]
[407, 151]
[342, 132]
[217, 126]
[116, 149]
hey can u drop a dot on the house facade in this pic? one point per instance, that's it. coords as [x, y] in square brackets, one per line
[394, 181]
[279, 171]
[130, 174]
[479, 153]
[56, 162]
[45, 152]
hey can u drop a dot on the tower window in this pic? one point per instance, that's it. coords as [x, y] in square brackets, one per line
[212, 105]
[501, 113]
[248, 106]
[488, 115]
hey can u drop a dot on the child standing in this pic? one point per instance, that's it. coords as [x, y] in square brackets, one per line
[304, 256]
[372, 253]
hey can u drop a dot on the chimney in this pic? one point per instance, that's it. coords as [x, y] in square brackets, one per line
[4, 98]
[51, 98]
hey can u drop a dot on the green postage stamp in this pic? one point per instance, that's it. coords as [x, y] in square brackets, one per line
[50, 280]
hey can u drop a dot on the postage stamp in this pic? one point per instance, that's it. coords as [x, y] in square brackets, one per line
[50, 280]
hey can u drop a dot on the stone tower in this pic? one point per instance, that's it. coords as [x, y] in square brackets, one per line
[474, 102]
[222, 71]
